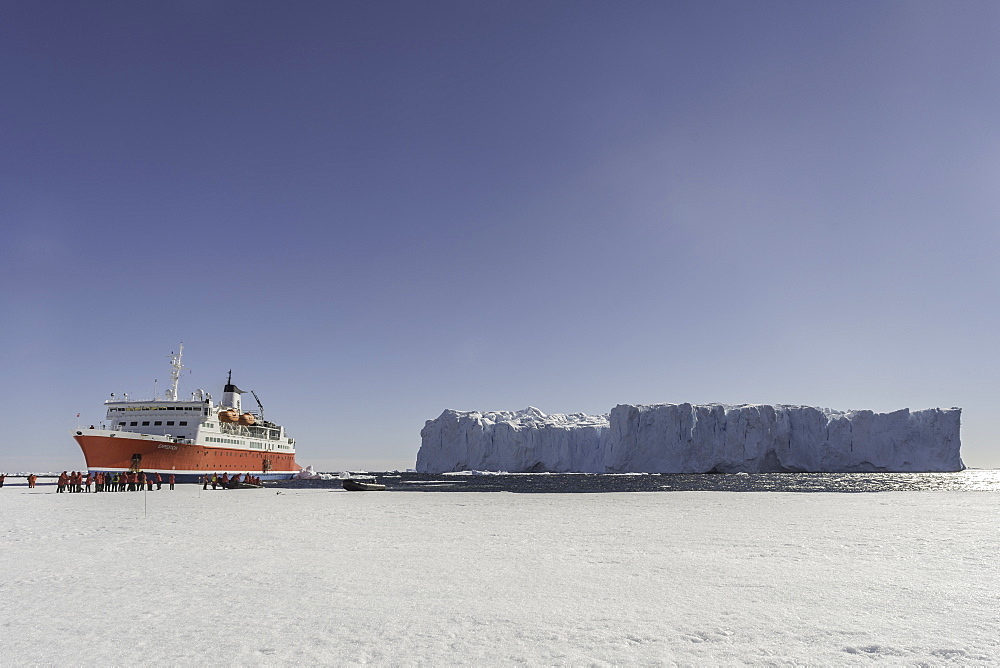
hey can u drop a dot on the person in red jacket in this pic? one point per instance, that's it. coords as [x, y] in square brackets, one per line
[172, 480]
[60, 483]
[159, 482]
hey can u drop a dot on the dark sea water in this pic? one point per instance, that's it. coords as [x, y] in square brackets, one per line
[985, 480]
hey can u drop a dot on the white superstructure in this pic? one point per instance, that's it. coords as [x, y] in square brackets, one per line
[198, 420]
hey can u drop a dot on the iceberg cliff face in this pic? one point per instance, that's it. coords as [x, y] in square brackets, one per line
[686, 438]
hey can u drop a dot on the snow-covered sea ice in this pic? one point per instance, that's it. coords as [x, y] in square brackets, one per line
[331, 577]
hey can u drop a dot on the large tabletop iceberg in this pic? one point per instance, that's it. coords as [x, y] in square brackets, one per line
[688, 438]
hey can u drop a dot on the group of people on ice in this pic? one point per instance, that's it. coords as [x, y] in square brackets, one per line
[224, 481]
[137, 481]
[126, 481]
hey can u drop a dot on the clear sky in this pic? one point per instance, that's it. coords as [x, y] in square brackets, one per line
[373, 211]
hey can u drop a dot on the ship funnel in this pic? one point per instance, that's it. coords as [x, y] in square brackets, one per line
[231, 394]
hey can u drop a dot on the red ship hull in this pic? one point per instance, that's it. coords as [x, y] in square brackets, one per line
[188, 462]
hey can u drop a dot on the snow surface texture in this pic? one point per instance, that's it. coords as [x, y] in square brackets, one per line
[312, 576]
[686, 438]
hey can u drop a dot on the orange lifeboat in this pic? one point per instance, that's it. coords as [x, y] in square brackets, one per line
[247, 419]
[229, 416]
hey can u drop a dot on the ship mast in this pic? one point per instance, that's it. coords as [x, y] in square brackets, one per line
[175, 372]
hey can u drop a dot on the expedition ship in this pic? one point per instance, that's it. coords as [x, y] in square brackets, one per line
[188, 438]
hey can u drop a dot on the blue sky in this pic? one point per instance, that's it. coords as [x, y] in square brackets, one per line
[373, 211]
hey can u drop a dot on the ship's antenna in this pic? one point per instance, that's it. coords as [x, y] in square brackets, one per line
[175, 372]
